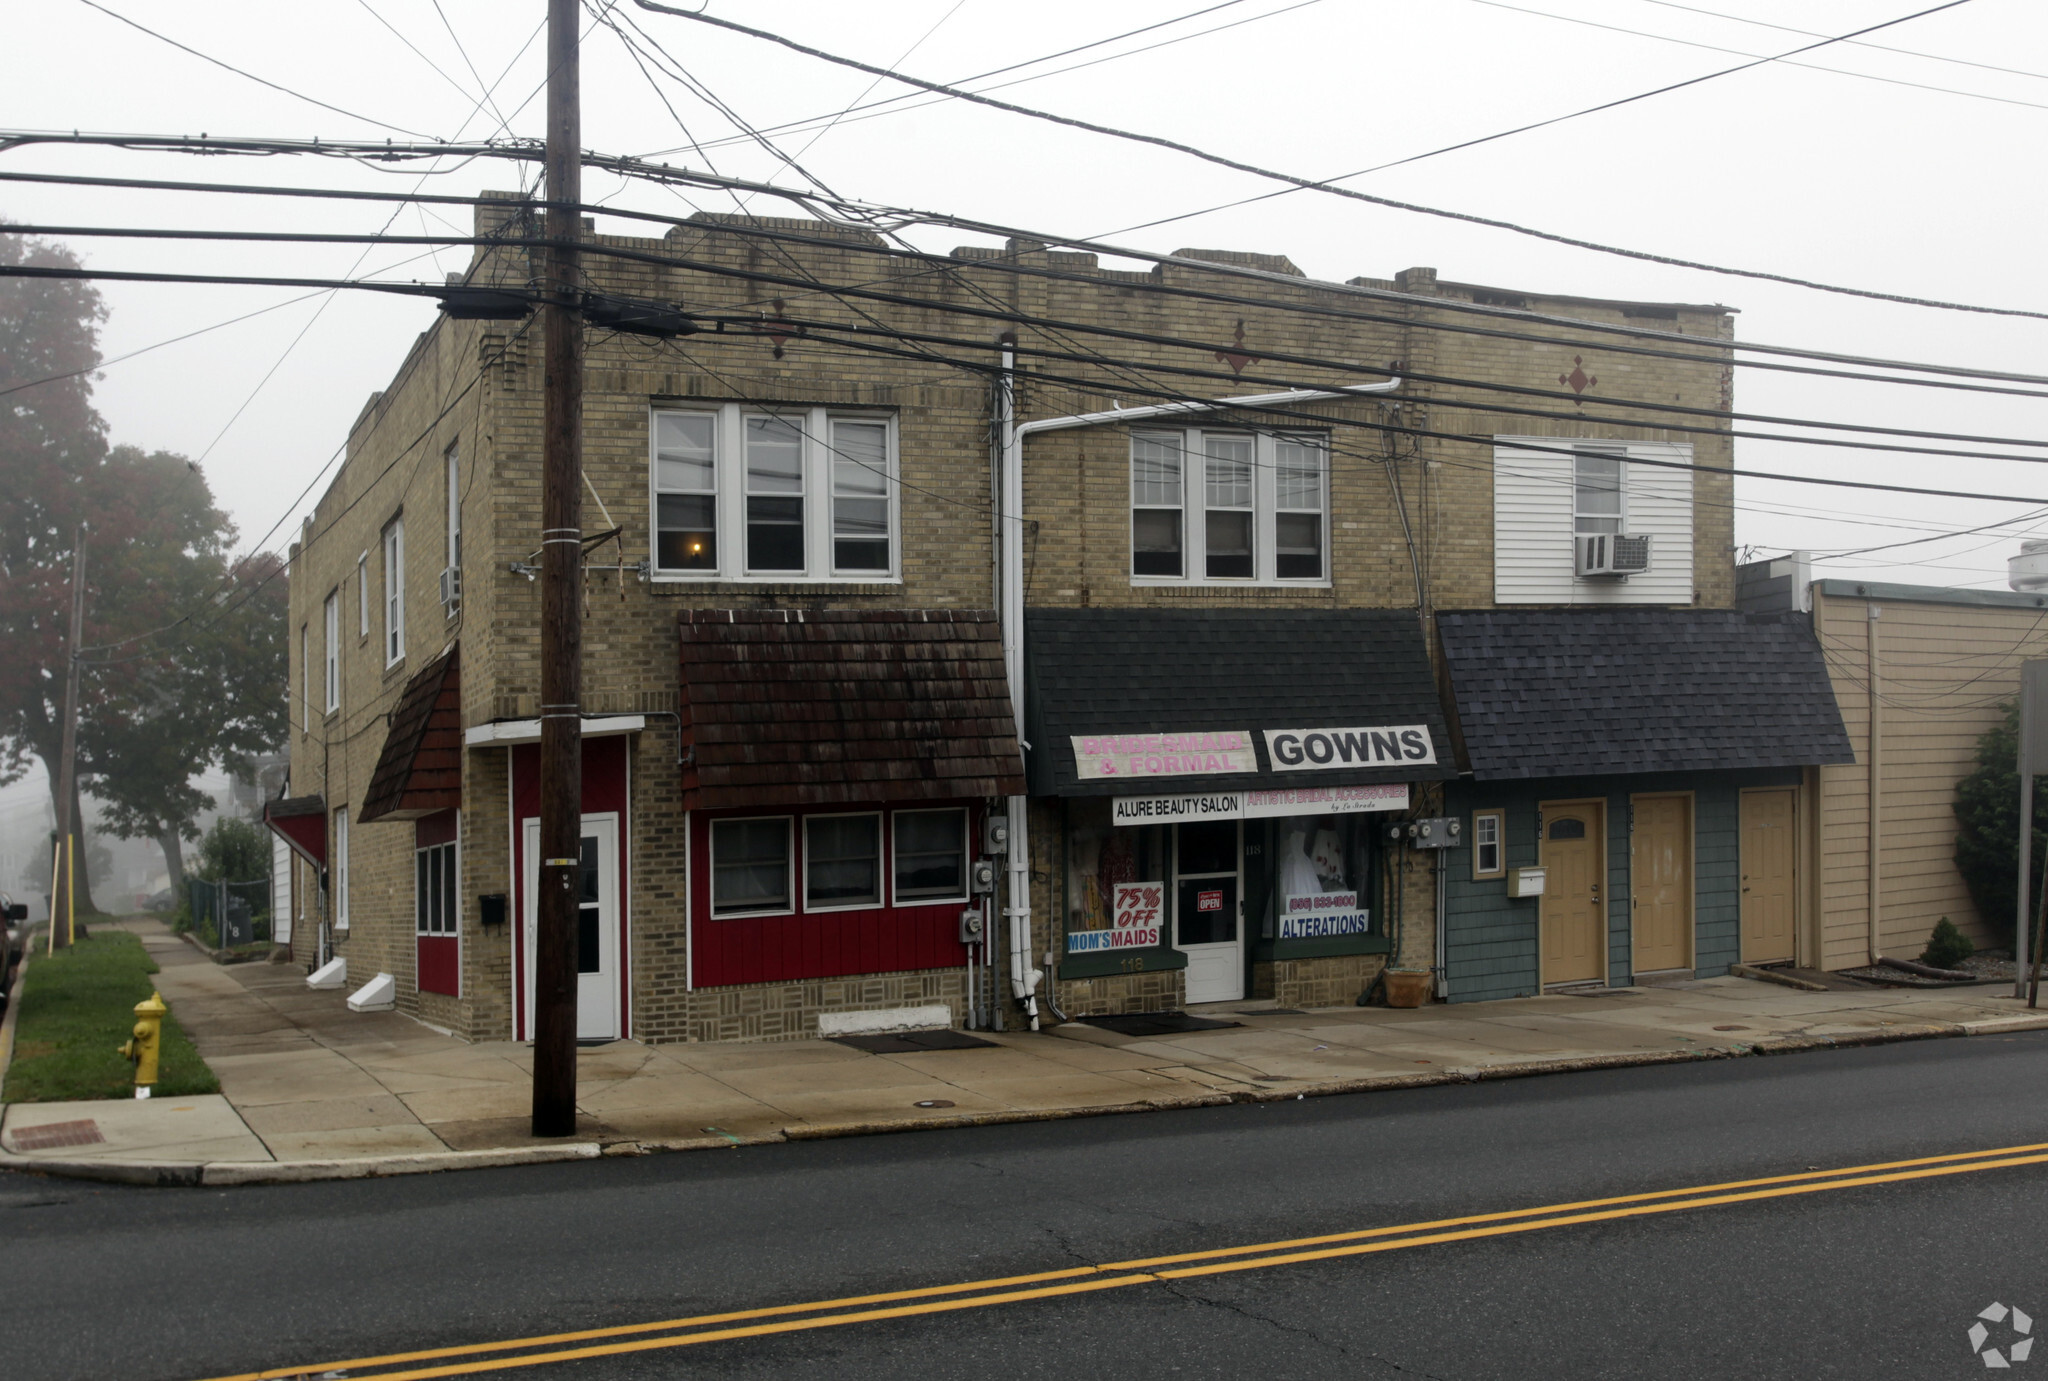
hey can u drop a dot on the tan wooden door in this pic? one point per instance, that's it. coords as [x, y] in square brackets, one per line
[1660, 882]
[1574, 920]
[1769, 868]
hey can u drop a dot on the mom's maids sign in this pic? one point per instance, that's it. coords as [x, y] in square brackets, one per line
[1143, 757]
[1137, 920]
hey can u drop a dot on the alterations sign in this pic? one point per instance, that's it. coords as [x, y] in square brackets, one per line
[1137, 919]
[1322, 750]
[1142, 756]
[1323, 915]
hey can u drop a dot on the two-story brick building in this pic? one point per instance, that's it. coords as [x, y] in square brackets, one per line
[862, 576]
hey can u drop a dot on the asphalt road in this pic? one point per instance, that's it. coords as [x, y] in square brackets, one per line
[1881, 1280]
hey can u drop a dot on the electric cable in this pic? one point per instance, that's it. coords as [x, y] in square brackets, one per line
[1326, 185]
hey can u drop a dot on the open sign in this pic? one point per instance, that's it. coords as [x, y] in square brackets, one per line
[1209, 901]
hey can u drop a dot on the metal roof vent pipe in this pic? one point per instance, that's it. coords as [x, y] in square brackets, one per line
[2028, 572]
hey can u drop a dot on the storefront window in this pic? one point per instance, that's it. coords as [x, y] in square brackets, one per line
[1316, 881]
[1102, 859]
[842, 861]
[749, 866]
[931, 855]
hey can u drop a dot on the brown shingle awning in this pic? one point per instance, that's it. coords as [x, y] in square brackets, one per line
[420, 770]
[795, 707]
[301, 822]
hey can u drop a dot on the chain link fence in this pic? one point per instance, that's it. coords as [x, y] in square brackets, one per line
[229, 915]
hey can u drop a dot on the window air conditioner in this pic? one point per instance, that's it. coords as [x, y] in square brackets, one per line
[1612, 553]
[451, 585]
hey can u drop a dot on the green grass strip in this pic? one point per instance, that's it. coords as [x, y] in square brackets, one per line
[77, 1007]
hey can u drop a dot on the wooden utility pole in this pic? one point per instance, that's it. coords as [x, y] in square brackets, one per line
[64, 896]
[561, 626]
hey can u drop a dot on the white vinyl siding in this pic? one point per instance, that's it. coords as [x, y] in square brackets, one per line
[1535, 514]
[280, 892]
[338, 878]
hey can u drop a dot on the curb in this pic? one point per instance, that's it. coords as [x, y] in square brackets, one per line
[1770, 976]
[225, 1173]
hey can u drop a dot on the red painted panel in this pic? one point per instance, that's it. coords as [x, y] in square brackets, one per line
[438, 828]
[440, 961]
[768, 949]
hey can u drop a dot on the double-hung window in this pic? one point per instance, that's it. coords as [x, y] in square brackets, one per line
[331, 628]
[1228, 506]
[1599, 476]
[750, 866]
[842, 861]
[774, 493]
[394, 592]
[931, 856]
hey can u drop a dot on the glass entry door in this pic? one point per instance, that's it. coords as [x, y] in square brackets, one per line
[597, 927]
[1207, 914]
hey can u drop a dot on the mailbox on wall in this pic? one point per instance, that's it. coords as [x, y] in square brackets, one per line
[1525, 882]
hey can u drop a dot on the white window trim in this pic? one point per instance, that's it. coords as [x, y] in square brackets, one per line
[306, 678]
[454, 848]
[882, 853]
[966, 857]
[1619, 451]
[393, 545]
[341, 868]
[1194, 510]
[730, 504]
[789, 882]
[363, 596]
[1499, 818]
[330, 628]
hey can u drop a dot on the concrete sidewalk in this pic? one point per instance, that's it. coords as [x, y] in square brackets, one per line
[311, 1090]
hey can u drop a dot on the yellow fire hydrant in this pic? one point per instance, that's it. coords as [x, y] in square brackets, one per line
[147, 1042]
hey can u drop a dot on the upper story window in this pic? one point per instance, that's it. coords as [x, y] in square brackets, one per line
[1222, 506]
[331, 628]
[1598, 493]
[363, 595]
[451, 582]
[774, 494]
[394, 592]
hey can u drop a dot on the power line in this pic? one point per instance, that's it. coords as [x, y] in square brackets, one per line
[1004, 313]
[661, 174]
[1326, 186]
[1852, 43]
[260, 81]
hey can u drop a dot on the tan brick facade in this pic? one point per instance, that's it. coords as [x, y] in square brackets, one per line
[476, 387]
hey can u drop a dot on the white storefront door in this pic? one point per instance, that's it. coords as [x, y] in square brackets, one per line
[1208, 909]
[597, 928]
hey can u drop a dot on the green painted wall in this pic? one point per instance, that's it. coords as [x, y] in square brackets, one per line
[1490, 939]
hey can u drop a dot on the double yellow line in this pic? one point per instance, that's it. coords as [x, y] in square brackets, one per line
[548, 1348]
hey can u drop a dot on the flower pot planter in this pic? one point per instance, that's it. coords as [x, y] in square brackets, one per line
[1408, 987]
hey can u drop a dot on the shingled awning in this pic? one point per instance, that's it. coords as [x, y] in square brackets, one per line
[301, 822]
[797, 707]
[1582, 692]
[1273, 677]
[420, 770]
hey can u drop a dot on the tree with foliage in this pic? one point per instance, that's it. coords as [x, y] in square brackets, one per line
[234, 850]
[184, 663]
[1987, 810]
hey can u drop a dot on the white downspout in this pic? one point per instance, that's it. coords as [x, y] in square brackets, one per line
[1024, 978]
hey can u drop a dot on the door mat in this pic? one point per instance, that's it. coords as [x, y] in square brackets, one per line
[911, 1042]
[1157, 1023]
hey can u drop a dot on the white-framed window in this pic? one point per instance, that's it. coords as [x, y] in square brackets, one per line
[434, 906]
[330, 625]
[1599, 489]
[363, 595]
[930, 863]
[394, 592]
[340, 880]
[1226, 506]
[842, 862]
[744, 492]
[451, 462]
[1489, 847]
[751, 867]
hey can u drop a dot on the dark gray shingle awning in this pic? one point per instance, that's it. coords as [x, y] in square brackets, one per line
[1171, 671]
[1584, 692]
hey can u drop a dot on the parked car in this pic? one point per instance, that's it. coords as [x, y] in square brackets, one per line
[161, 901]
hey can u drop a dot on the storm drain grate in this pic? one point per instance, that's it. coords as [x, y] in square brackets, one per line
[911, 1042]
[52, 1135]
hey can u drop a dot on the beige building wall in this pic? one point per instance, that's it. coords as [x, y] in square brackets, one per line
[1946, 663]
[477, 386]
